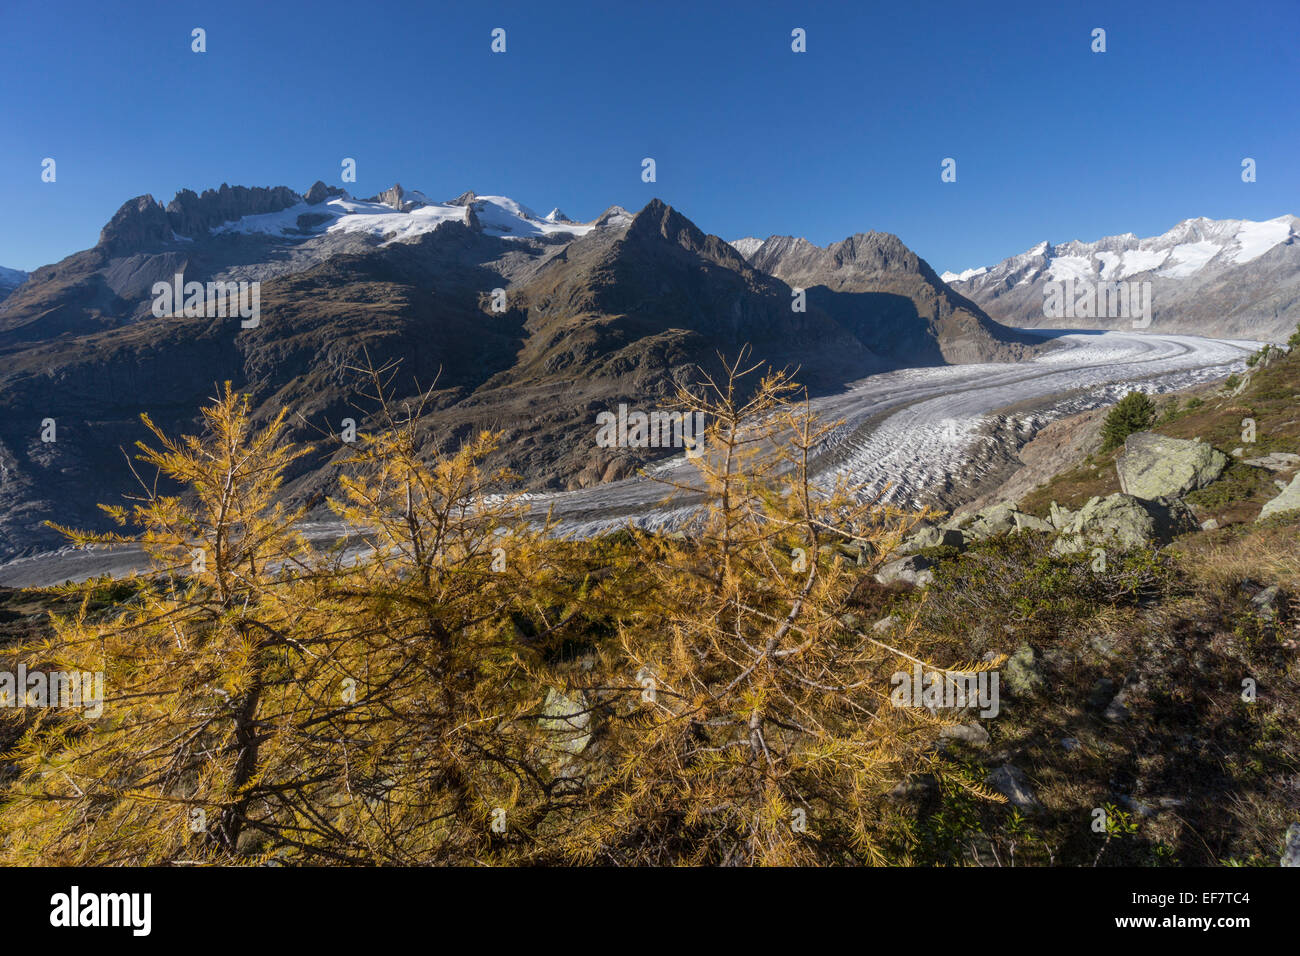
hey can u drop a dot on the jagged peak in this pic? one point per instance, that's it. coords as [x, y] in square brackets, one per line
[319, 193]
[138, 222]
[658, 216]
[402, 200]
[193, 214]
[613, 216]
[747, 246]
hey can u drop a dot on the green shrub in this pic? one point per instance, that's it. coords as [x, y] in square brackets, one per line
[1016, 580]
[1134, 412]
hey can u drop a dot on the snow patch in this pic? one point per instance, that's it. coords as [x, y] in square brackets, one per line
[747, 246]
[964, 274]
[1188, 259]
[1256, 238]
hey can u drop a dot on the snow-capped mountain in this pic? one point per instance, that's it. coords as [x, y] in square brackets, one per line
[10, 279]
[399, 216]
[1230, 277]
[747, 246]
[623, 309]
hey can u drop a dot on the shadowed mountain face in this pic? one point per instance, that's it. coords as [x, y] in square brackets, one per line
[10, 279]
[891, 299]
[528, 325]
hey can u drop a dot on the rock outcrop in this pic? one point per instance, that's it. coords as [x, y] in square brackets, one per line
[138, 223]
[1288, 500]
[928, 535]
[319, 193]
[401, 199]
[1010, 781]
[913, 570]
[1123, 521]
[191, 214]
[1156, 466]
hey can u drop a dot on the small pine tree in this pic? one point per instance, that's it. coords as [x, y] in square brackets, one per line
[1134, 412]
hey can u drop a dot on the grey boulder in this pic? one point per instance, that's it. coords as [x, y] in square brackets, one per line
[1291, 853]
[567, 721]
[1021, 672]
[1277, 461]
[1288, 500]
[1155, 466]
[913, 570]
[1010, 781]
[927, 535]
[1124, 521]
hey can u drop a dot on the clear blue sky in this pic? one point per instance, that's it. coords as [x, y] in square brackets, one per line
[1051, 140]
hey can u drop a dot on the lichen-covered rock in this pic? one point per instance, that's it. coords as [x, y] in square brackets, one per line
[1027, 522]
[1124, 521]
[1291, 852]
[1059, 517]
[1011, 782]
[885, 623]
[567, 720]
[1288, 500]
[990, 522]
[1156, 466]
[913, 570]
[996, 520]
[1276, 461]
[1021, 672]
[927, 535]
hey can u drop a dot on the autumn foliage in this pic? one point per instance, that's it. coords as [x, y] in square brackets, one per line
[452, 680]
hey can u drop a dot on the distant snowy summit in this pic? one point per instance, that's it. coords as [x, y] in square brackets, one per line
[398, 215]
[747, 246]
[1231, 277]
[1182, 252]
[394, 215]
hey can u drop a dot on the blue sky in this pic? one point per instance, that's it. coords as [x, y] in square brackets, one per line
[1052, 141]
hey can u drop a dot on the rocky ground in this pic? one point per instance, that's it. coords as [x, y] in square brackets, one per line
[1145, 602]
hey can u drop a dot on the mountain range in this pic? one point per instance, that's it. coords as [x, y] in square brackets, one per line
[530, 324]
[1224, 277]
